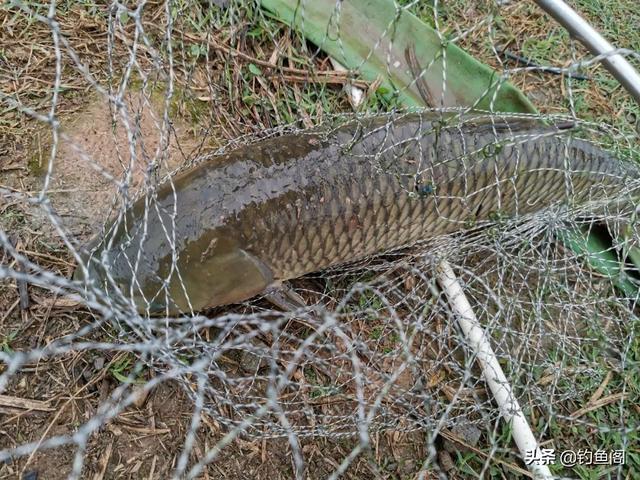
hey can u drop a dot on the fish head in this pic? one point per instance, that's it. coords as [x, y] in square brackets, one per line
[211, 270]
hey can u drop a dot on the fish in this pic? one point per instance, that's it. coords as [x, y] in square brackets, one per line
[242, 222]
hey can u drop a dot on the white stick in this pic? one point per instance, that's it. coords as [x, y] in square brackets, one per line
[493, 374]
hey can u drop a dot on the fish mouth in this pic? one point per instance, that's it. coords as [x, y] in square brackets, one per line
[146, 307]
[110, 289]
[119, 296]
[100, 279]
[90, 270]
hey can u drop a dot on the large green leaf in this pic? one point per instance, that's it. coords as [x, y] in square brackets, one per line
[378, 39]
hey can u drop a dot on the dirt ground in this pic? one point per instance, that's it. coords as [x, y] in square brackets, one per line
[90, 161]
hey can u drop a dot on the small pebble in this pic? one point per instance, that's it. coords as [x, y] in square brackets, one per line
[98, 363]
[408, 467]
[141, 395]
[468, 432]
[465, 431]
[250, 363]
[391, 467]
[445, 461]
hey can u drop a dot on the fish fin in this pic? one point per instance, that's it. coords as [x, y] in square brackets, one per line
[285, 297]
[243, 276]
[231, 275]
[514, 123]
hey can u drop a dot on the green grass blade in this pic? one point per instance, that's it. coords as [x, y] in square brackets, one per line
[631, 250]
[633, 255]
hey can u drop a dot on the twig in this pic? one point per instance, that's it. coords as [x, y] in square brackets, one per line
[153, 467]
[25, 403]
[597, 404]
[600, 390]
[265, 63]
[453, 438]
[9, 310]
[23, 292]
[144, 430]
[104, 462]
[417, 71]
[329, 79]
[555, 70]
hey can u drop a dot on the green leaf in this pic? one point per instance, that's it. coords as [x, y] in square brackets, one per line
[632, 251]
[634, 256]
[254, 69]
[380, 40]
[194, 50]
[249, 100]
[121, 377]
[600, 256]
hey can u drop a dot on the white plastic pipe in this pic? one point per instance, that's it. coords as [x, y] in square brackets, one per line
[492, 371]
[578, 27]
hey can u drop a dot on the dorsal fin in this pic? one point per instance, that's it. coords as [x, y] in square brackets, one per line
[515, 123]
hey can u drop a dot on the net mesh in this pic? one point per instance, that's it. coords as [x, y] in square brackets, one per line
[371, 376]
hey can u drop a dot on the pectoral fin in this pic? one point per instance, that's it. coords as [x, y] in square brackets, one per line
[223, 277]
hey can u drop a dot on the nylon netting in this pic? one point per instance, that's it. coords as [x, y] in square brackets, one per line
[369, 377]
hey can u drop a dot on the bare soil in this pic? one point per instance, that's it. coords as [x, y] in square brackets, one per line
[93, 157]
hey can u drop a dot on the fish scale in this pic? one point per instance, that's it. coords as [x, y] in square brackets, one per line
[294, 204]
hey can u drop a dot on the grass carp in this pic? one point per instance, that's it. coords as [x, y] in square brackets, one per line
[240, 223]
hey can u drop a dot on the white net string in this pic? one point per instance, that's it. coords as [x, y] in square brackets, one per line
[372, 378]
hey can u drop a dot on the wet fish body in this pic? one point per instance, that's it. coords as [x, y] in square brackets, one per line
[279, 208]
